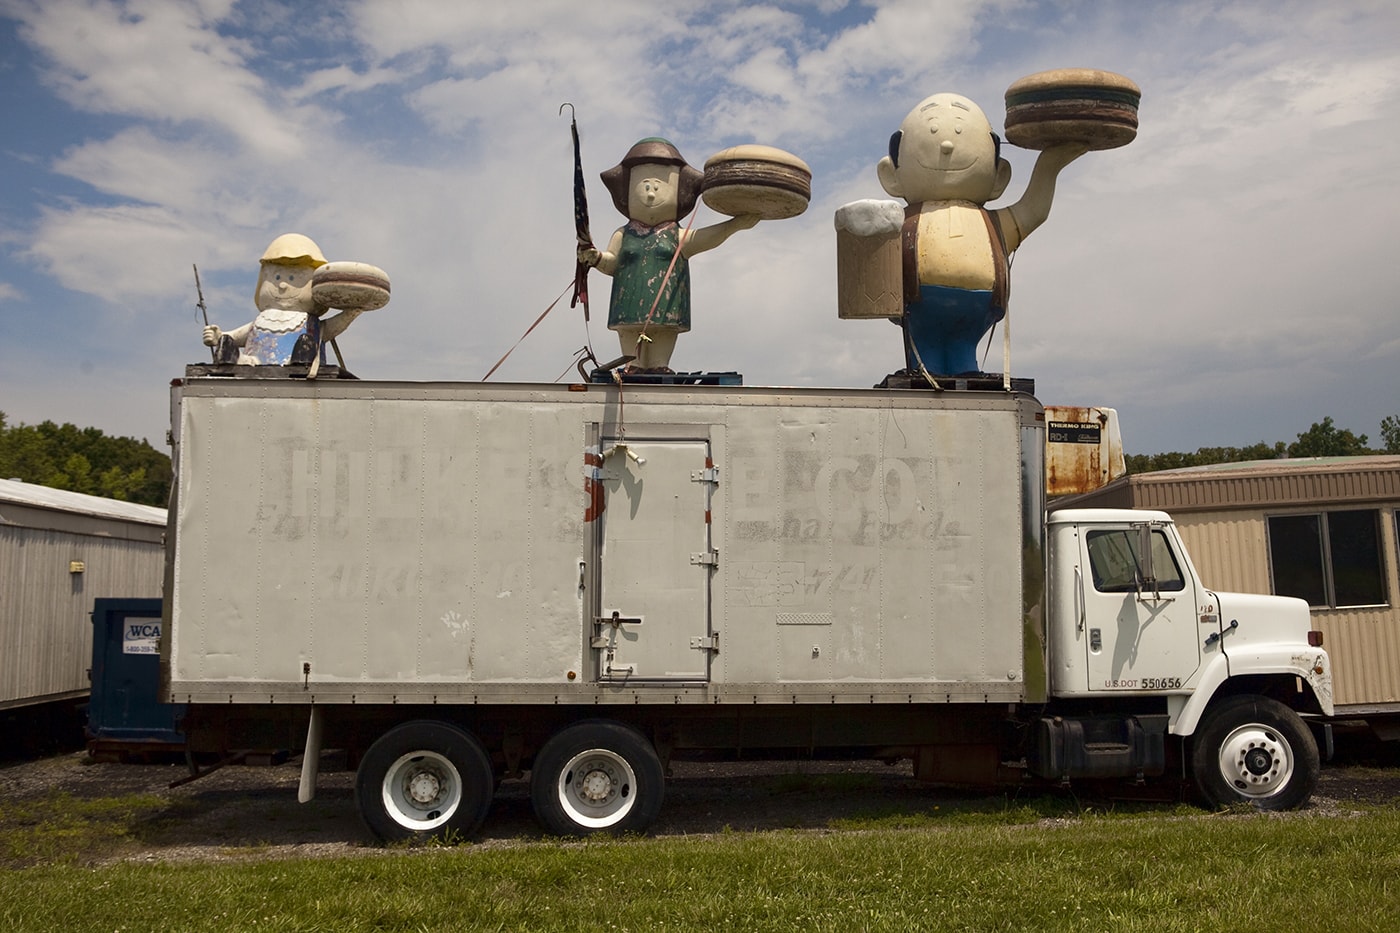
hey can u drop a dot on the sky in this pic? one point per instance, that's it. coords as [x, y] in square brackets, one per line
[1224, 279]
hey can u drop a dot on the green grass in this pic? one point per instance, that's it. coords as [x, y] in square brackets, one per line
[1003, 867]
[61, 827]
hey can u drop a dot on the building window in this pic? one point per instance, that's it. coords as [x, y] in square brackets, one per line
[1331, 559]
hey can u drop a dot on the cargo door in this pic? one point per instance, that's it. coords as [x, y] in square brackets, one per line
[1139, 616]
[654, 561]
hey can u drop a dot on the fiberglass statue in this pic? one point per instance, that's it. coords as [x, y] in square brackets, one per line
[648, 256]
[296, 286]
[940, 264]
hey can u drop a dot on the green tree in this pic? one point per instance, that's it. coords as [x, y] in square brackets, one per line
[76, 475]
[84, 460]
[1323, 439]
[24, 455]
[1326, 440]
[1390, 433]
[1150, 463]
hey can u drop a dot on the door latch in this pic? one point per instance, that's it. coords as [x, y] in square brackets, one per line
[616, 621]
[1214, 637]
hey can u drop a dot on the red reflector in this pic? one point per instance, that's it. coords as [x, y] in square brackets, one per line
[1315, 639]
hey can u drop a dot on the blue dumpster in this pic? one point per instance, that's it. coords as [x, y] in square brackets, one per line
[125, 715]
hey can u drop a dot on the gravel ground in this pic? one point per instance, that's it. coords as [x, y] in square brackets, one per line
[245, 811]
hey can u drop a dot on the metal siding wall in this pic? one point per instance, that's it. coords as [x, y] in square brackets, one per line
[1281, 483]
[45, 623]
[1229, 549]
[1365, 654]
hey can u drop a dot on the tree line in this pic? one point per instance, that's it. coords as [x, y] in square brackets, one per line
[84, 460]
[1323, 439]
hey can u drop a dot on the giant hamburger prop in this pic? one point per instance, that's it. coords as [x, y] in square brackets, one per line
[350, 286]
[1097, 108]
[755, 179]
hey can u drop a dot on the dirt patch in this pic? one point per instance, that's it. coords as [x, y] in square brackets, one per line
[251, 812]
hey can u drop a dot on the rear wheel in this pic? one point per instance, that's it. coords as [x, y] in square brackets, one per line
[1257, 751]
[424, 779]
[596, 777]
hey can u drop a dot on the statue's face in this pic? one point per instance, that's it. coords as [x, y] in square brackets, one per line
[946, 152]
[653, 193]
[285, 287]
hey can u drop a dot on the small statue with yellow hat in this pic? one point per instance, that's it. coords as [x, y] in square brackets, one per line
[296, 286]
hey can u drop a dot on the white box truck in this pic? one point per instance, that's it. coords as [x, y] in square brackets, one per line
[461, 581]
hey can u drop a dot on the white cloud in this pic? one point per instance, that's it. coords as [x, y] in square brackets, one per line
[344, 79]
[161, 61]
[904, 42]
[128, 253]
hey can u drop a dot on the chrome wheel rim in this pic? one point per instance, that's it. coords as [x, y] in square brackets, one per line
[597, 788]
[422, 790]
[1256, 761]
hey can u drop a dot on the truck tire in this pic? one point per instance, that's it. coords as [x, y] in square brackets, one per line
[1256, 751]
[424, 779]
[596, 776]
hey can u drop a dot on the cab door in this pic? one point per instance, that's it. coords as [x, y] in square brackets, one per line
[1139, 610]
[655, 561]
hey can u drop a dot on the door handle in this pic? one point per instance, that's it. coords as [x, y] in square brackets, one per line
[1214, 637]
[1079, 600]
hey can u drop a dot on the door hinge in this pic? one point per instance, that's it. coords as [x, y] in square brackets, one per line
[707, 475]
[705, 558]
[708, 642]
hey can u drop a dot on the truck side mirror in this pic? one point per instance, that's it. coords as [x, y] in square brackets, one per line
[1147, 577]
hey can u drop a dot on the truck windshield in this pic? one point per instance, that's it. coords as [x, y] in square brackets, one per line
[1113, 560]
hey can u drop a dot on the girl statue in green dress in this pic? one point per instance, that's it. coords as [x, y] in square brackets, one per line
[648, 256]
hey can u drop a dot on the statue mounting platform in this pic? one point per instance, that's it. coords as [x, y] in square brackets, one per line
[285, 371]
[640, 377]
[978, 382]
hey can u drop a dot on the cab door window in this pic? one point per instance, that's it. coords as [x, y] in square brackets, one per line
[1116, 567]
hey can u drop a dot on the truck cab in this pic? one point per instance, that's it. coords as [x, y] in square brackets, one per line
[1135, 629]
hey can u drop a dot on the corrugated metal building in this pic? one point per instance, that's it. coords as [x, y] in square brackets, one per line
[1321, 528]
[58, 552]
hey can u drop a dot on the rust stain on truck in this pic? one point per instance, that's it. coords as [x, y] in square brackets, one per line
[1083, 449]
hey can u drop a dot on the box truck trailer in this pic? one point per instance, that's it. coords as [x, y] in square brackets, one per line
[459, 582]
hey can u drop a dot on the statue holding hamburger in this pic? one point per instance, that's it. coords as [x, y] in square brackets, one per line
[648, 257]
[295, 288]
[950, 251]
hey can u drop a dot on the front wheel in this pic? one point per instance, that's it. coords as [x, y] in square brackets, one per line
[424, 779]
[596, 776]
[1257, 751]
